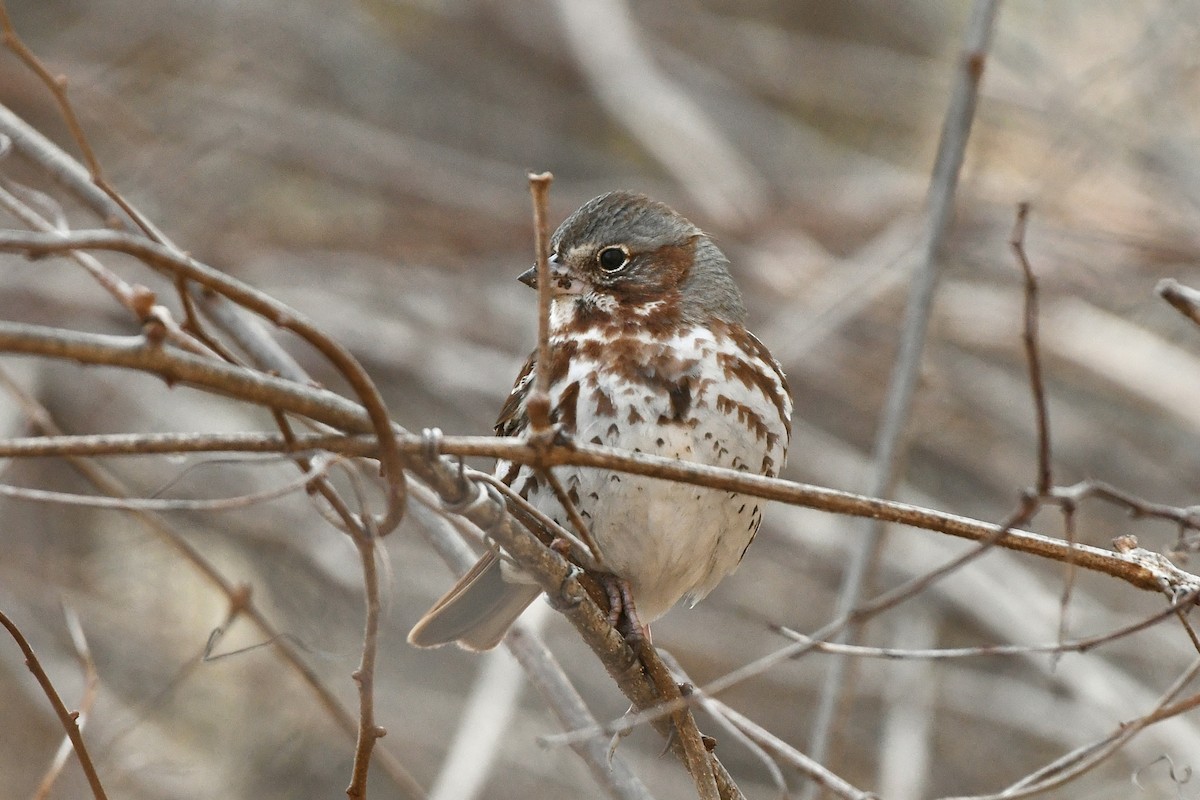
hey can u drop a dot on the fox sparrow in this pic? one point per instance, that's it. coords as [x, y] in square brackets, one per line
[649, 352]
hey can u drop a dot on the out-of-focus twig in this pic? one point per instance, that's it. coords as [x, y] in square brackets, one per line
[162, 503]
[760, 737]
[68, 719]
[889, 440]
[1139, 568]
[1071, 765]
[369, 733]
[91, 683]
[179, 265]
[609, 770]
[658, 111]
[1182, 298]
[239, 596]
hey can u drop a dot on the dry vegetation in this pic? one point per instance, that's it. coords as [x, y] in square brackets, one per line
[363, 163]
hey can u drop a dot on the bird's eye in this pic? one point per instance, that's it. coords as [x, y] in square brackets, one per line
[612, 259]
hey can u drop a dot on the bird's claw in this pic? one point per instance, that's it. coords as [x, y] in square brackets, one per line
[622, 612]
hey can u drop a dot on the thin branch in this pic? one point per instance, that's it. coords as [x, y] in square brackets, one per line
[91, 684]
[1071, 765]
[147, 354]
[164, 504]
[857, 615]
[179, 265]
[239, 596]
[68, 719]
[1043, 490]
[761, 737]
[62, 169]
[137, 299]
[577, 521]
[1139, 568]
[1183, 299]
[888, 450]
[250, 335]
[609, 770]
[1045, 478]
[57, 84]
[368, 732]
[1083, 645]
[537, 406]
[695, 753]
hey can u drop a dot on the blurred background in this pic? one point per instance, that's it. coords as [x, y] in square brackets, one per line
[365, 162]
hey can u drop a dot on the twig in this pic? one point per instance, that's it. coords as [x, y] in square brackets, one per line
[537, 406]
[64, 170]
[57, 84]
[239, 596]
[1077, 646]
[717, 710]
[250, 335]
[1029, 336]
[888, 450]
[68, 719]
[179, 265]
[1183, 299]
[364, 676]
[1043, 489]
[544, 672]
[696, 754]
[163, 504]
[577, 521]
[759, 736]
[857, 615]
[1140, 569]
[1071, 765]
[91, 683]
[137, 299]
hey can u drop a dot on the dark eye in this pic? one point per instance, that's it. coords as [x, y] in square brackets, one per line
[612, 259]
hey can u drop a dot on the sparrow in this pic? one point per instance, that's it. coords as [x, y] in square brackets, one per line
[649, 352]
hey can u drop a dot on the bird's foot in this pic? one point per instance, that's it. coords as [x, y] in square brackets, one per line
[622, 612]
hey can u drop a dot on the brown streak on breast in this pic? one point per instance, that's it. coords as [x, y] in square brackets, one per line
[563, 413]
[604, 403]
[772, 384]
[747, 416]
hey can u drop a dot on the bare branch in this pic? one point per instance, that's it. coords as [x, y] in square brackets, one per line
[889, 446]
[179, 265]
[538, 404]
[1029, 336]
[1139, 569]
[1183, 299]
[1079, 645]
[239, 596]
[68, 719]
[1070, 766]
[164, 504]
[91, 683]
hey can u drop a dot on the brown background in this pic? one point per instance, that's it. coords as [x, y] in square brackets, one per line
[365, 162]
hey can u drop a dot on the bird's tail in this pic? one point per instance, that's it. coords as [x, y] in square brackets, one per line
[477, 611]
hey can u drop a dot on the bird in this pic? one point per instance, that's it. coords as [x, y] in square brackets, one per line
[649, 352]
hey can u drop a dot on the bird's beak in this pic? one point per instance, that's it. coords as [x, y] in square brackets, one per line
[559, 281]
